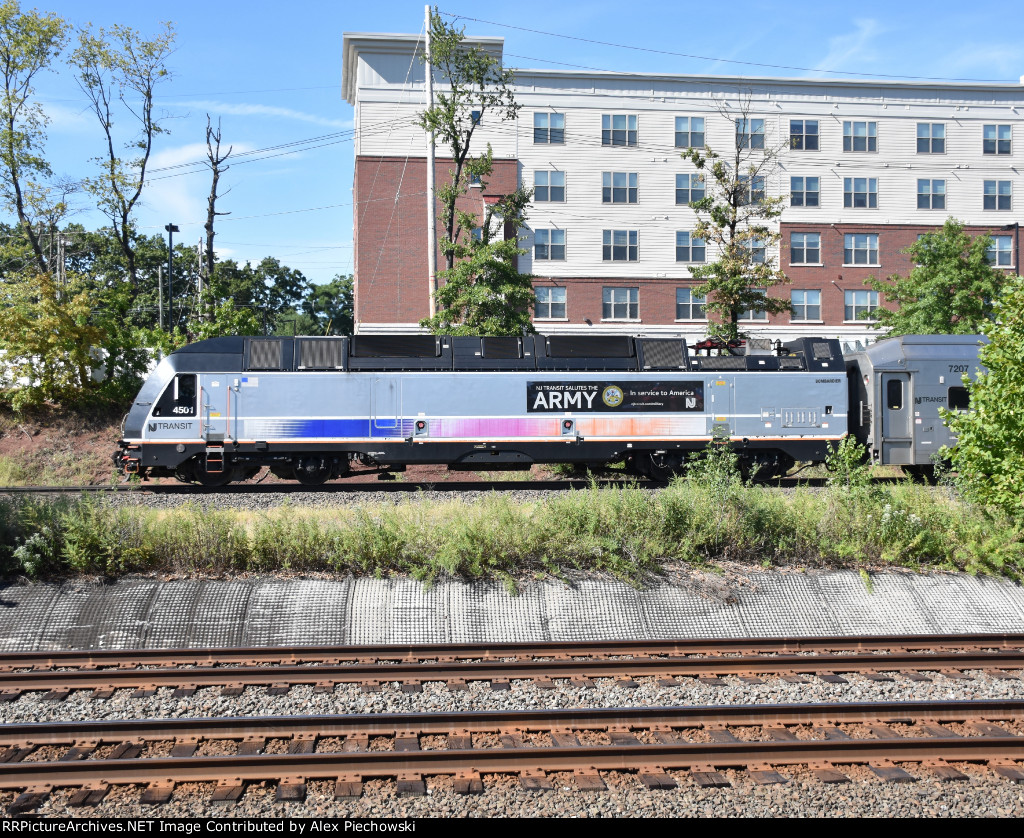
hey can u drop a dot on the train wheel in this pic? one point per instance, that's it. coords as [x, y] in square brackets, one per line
[661, 467]
[195, 471]
[313, 471]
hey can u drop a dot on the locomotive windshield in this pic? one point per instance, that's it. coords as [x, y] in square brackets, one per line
[179, 399]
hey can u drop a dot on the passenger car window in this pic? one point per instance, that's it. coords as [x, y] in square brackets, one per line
[958, 398]
[894, 394]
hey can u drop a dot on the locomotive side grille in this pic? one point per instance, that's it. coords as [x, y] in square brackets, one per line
[589, 346]
[501, 348]
[724, 362]
[821, 350]
[321, 354]
[265, 355]
[663, 354]
[791, 362]
[394, 346]
[800, 417]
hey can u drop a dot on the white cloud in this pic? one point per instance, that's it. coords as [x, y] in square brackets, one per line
[987, 59]
[219, 108]
[853, 50]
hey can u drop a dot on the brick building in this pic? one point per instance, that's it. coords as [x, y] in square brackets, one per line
[865, 168]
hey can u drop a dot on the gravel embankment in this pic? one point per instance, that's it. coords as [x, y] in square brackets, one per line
[984, 794]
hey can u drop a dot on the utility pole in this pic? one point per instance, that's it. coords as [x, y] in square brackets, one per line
[431, 214]
[160, 293]
[171, 230]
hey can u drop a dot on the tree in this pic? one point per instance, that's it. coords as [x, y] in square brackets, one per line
[217, 168]
[483, 292]
[734, 217]
[118, 65]
[29, 43]
[950, 291]
[989, 454]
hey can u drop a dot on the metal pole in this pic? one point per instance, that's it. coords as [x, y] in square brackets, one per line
[160, 293]
[171, 230]
[431, 214]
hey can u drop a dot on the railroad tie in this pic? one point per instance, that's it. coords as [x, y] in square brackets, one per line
[589, 780]
[707, 777]
[290, 789]
[891, 773]
[411, 785]
[943, 771]
[468, 782]
[1008, 771]
[80, 750]
[88, 797]
[228, 791]
[655, 777]
[764, 775]
[535, 780]
[156, 794]
[348, 788]
[28, 800]
[825, 772]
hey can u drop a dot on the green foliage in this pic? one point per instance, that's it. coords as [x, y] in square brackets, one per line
[30, 42]
[848, 464]
[950, 291]
[989, 453]
[734, 218]
[482, 292]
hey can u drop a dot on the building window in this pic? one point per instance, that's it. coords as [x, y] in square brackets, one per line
[477, 234]
[806, 305]
[620, 245]
[756, 249]
[618, 129]
[750, 314]
[998, 194]
[619, 187]
[548, 186]
[860, 249]
[858, 303]
[689, 306]
[860, 136]
[803, 134]
[752, 189]
[860, 192]
[749, 133]
[803, 191]
[805, 248]
[475, 117]
[549, 244]
[689, 248]
[931, 138]
[550, 304]
[689, 132]
[996, 139]
[689, 188]
[621, 304]
[549, 128]
[931, 194]
[1000, 252]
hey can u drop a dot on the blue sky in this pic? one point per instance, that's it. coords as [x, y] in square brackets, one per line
[272, 73]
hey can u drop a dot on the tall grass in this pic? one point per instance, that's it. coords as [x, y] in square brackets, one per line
[624, 532]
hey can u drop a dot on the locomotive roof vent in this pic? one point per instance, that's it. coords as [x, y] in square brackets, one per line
[589, 346]
[395, 346]
[321, 353]
[264, 354]
[502, 348]
[663, 354]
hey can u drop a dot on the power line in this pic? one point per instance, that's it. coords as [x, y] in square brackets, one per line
[722, 60]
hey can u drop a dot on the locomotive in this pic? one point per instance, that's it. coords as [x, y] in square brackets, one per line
[308, 408]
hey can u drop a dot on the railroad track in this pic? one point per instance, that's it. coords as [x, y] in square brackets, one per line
[694, 743]
[58, 674]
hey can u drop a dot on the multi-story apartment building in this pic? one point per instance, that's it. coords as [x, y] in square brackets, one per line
[864, 168]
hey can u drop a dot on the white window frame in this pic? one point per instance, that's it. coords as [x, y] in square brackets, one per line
[754, 188]
[546, 130]
[850, 305]
[550, 292]
[850, 137]
[804, 191]
[750, 132]
[611, 193]
[926, 139]
[1000, 253]
[930, 194]
[851, 247]
[609, 245]
[632, 303]
[630, 135]
[751, 316]
[546, 238]
[850, 192]
[689, 131]
[997, 195]
[692, 247]
[548, 175]
[798, 141]
[997, 139]
[799, 313]
[690, 179]
[689, 302]
[804, 247]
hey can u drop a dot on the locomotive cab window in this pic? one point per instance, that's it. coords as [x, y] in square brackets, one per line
[179, 399]
[894, 395]
[958, 398]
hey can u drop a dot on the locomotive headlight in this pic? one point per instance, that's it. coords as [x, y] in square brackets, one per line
[179, 448]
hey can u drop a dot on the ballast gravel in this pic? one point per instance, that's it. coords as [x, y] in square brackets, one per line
[983, 794]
